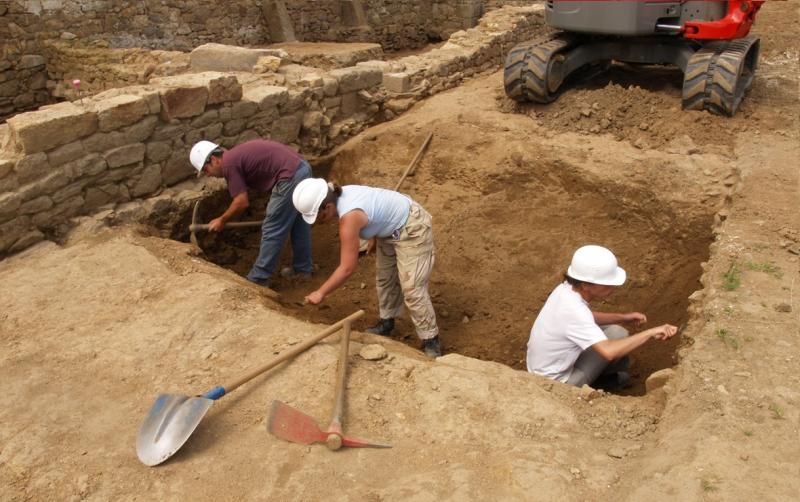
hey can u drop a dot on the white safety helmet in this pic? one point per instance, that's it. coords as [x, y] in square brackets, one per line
[198, 156]
[307, 197]
[597, 265]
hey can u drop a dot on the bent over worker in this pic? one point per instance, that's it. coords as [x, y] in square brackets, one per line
[571, 343]
[404, 242]
[267, 167]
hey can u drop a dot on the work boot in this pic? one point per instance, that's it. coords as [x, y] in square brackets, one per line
[613, 381]
[290, 273]
[383, 328]
[432, 348]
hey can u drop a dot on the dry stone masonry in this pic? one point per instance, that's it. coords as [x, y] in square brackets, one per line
[93, 152]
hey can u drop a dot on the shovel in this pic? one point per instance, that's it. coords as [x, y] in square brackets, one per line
[173, 417]
[295, 426]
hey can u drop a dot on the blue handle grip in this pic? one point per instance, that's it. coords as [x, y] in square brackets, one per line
[215, 393]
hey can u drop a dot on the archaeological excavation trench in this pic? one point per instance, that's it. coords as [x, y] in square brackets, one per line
[502, 243]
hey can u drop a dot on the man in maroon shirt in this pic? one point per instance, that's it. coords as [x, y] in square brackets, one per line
[267, 167]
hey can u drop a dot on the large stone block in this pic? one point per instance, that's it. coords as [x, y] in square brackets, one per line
[89, 165]
[219, 57]
[30, 61]
[221, 87]
[266, 96]
[66, 153]
[356, 78]
[177, 168]
[158, 151]
[125, 155]
[31, 167]
[183, 102]
[50, 127]
[149, 181]
[13, 230]
[397, 82]
[286, 129]
[27, 240]
[47, 185]
[6, 166]
[9, 204]
[37, 205]
[119, 111]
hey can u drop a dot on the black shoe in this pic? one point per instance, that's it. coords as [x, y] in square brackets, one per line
[432, 348]
[383, 328]
[613, 381]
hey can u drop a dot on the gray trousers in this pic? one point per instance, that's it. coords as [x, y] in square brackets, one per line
[591, 365]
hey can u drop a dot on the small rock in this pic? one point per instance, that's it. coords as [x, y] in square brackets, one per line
[722, 390]
[206, 353]
[616, 453]
[658, 379]
[576, 473]
[465, 319]
[644, 126]
[363, 285]
[744, 456]
[587, 393]
[783, 307]
[83, 483]
[743, 374]
[586, 112]
[372, 352]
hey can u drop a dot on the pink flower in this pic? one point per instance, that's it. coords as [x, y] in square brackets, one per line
[76, 83]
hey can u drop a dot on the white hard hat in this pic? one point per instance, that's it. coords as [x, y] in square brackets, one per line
[198, 156]
[307, 197]
[597, 265]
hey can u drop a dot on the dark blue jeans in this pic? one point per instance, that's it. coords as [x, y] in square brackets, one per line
[281, 221]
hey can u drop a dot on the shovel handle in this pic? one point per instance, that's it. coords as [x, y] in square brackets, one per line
[194, 227]
[414, 162]
[218, 392]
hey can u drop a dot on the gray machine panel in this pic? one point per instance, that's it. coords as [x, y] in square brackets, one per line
[629, 18]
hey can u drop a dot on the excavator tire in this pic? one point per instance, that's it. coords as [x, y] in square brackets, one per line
[719, 74]
[529, 71]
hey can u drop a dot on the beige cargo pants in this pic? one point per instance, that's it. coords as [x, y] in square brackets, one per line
[404, 265]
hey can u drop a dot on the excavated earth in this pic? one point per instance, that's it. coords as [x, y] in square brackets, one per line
[701, 210]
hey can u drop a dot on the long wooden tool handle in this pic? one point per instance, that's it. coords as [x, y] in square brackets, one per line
[233, 224]
[341, 377]
[414, 162]
[293, 352]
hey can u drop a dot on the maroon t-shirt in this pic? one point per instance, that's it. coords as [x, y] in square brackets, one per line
[258, 165]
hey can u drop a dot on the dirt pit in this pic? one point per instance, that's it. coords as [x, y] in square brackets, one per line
[491, 279]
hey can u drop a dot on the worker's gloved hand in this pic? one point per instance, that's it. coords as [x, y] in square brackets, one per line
[315, 298]
[216, 225]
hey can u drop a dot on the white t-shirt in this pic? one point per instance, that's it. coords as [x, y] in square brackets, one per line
[563, 329]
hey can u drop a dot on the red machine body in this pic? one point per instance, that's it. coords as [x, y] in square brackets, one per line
[736, 23]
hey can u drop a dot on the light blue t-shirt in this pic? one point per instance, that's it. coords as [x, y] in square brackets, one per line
[386, 210]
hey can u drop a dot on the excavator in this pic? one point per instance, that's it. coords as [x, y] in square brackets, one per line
[707, 39]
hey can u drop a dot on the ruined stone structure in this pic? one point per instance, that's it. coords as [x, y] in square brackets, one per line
[78, 156]
[41, 39]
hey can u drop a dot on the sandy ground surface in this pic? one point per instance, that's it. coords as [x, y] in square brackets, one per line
[701, 210]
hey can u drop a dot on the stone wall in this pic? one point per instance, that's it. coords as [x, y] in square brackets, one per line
[74, 158]
[23, 82]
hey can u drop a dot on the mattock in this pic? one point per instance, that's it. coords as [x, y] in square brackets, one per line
[293, 425]
[194, 226]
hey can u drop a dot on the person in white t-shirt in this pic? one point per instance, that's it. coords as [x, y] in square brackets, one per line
[573, 344]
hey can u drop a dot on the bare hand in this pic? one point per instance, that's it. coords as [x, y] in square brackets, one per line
[664, 332]
[315, 298]
[636, 318]
[216, 225]
[371, 246]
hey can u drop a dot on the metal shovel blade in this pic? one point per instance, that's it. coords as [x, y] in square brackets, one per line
[168, 425]
[295, 426]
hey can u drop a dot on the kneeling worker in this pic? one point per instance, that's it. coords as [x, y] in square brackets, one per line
[573, 344]
[404, 240]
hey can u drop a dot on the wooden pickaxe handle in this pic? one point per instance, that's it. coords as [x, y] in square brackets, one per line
[233, 224]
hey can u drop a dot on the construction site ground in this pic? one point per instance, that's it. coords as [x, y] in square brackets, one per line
[702, 211]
